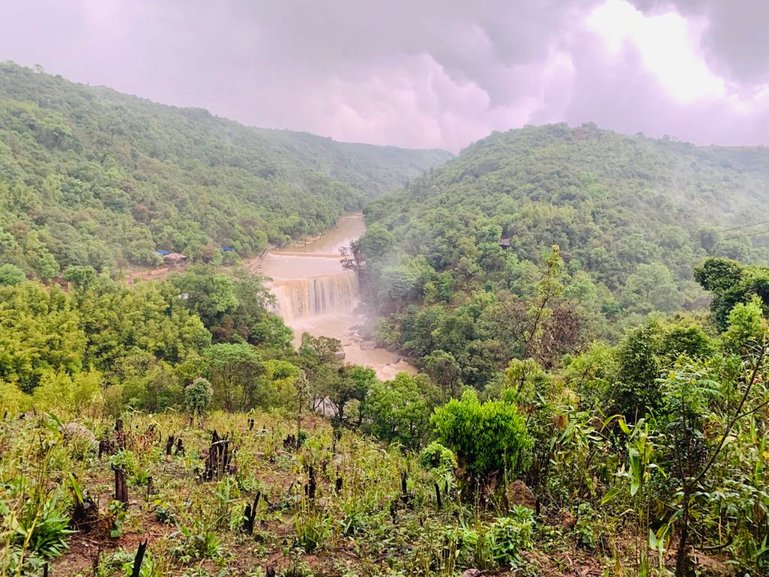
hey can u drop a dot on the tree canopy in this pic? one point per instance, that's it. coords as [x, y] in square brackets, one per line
[91, 177]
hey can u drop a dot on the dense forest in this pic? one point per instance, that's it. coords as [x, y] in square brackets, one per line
[89, 176]
[588, 312]
[463, 259]
[624, 461]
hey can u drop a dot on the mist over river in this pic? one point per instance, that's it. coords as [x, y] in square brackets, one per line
[315, 294]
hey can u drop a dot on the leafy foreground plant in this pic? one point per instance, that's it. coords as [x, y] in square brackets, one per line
[196, 543]
[38, 535]
[312, 528]
[510, 536]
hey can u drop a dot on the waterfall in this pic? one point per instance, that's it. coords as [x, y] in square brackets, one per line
[315, 296]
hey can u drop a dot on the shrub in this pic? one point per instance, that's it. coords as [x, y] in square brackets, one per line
[399, 410]
[197, 395]
[12, 400]
[11, 275]
[436, 456]
[488, 437]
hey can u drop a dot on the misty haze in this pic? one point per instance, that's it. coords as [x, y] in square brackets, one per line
[443, 289]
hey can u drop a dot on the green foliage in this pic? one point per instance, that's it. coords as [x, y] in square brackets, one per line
[487, 438]
[63, 394]
[197, 395]
[637, 390]
[81, 277]
[233, 370]
[13, 400]
[510, 536]
[208, 294]
[399, 410]
[312, 529]
[90, 177]
[732, 283]
[747, 327]
[629, 215]
[195, 543]
[42, 532]
[39, 331]
[11, 275]
[436, 456]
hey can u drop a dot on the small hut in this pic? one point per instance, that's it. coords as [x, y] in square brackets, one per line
[506, 243]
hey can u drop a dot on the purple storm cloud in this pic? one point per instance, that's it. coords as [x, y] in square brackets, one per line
[430, 73]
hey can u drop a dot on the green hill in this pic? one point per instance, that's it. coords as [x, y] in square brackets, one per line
[89, 176]
[632, 217]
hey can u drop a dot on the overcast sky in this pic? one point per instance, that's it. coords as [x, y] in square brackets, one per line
[419, 73]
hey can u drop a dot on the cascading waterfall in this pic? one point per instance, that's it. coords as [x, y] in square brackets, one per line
[316, 296]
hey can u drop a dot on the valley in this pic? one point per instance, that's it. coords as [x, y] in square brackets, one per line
[544, 355]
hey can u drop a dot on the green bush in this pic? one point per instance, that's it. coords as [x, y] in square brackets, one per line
[436, 456]
[197, 395]
[488, 437]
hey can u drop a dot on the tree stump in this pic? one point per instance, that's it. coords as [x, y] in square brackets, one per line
[249, 516]
[218, 461]
[120, 436]
[312, 483]
[121, 487]
[170, 445]
[139, 558]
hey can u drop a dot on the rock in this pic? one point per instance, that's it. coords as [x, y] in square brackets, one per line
[75, 431]
[326, 407]
[519, 494]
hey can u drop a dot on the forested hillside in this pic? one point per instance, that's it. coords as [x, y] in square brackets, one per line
[470, 243]
[89, 176]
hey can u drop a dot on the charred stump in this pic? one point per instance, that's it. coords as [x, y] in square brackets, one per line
[219, 459]
[139, 558]
[290, 443]
[249, 516]
[405, 496]
[85, 514]
[312, 483]
[106, 447]
[120, 436]
[170, 445]
[121, 486]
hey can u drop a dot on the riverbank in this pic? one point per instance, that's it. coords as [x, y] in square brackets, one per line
[316, 294]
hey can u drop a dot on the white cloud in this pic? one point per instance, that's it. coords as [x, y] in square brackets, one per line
[667, 43]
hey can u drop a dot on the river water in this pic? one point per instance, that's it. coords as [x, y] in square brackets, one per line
[315, 294]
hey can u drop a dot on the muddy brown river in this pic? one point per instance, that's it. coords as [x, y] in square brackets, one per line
[315, 294]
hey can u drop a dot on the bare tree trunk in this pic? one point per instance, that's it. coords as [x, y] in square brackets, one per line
[683, 538]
